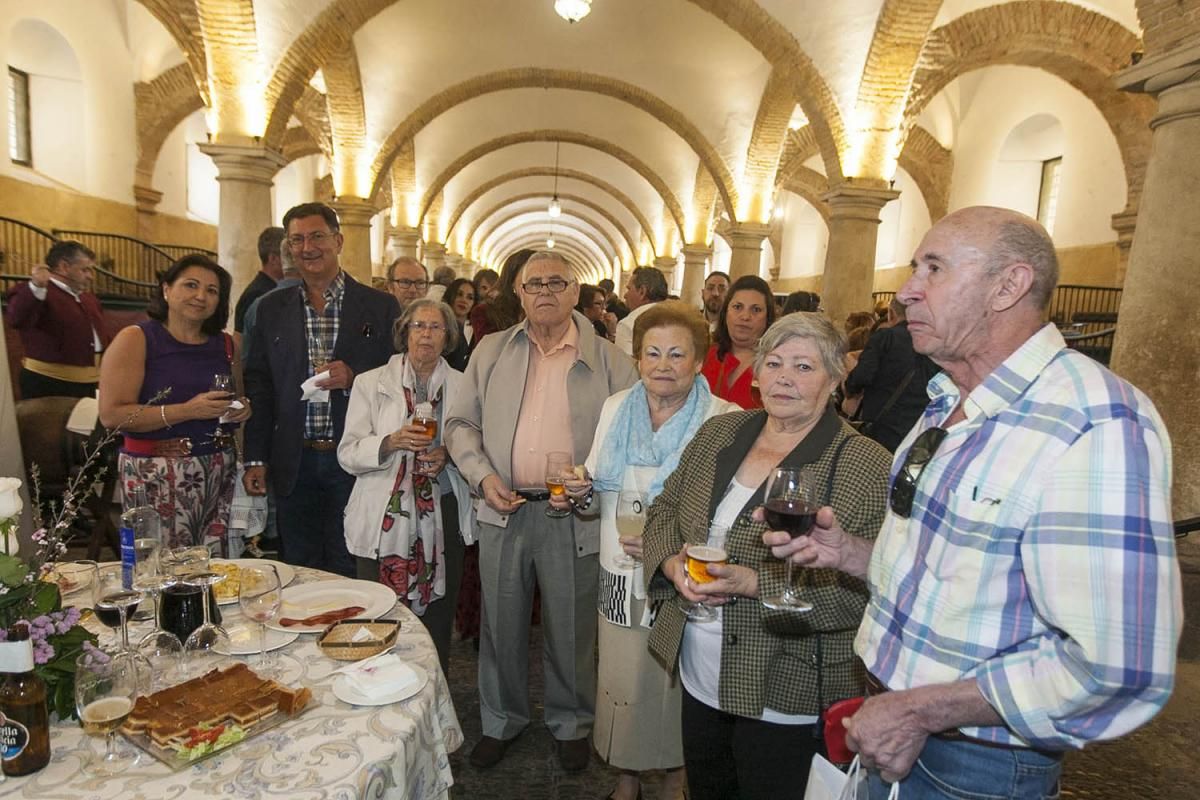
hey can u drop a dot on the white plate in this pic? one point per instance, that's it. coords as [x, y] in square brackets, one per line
[286, 573]
[309, 599]
[243, 638]
[345, 691]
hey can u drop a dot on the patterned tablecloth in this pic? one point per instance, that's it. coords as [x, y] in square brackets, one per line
[333, 750]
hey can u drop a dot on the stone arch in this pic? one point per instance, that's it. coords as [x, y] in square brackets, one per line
[160, 105]
[298, 143]
[541, 172]
[562, 223]
[583, 201]
[1072, 43]
[540, 78]
[347, 118]
[313, 113]
[181, 20]
[811, 185]
[334, 28]
[230, 42]
[566, 137]
[931, 167]
[582, 261]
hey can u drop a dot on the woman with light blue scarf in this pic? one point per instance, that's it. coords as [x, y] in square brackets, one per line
[641, 434]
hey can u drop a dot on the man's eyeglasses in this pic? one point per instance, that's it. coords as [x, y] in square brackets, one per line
[555, 285]
[405, 283]
[904, 489]
[316, 239]
[432, 327]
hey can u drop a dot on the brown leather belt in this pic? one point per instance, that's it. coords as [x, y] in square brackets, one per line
[876, 687]
[533, 495]
[175, 448]
[320, 445]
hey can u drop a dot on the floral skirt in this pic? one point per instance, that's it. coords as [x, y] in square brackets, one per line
[192, 495]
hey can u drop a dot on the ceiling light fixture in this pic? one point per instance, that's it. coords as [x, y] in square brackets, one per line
[572, 10]
[550, 242]
[555, 207]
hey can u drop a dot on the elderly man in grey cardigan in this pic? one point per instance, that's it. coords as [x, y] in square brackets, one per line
[535, 388]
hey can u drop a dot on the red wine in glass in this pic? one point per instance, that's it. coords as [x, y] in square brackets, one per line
[794, 516]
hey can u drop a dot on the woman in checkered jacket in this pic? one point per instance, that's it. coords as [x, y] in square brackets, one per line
[755, 681]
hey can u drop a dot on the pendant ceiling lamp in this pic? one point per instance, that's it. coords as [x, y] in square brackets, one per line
[572, 10]
[555, 207]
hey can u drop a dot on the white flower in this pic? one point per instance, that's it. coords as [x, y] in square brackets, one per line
[10, 498]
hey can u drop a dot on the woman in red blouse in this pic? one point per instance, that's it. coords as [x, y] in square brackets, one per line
[748, 311]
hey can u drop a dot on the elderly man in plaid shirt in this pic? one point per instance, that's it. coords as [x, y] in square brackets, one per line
[1025, 596]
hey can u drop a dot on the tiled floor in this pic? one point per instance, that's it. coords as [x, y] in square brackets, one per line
[1159, 761]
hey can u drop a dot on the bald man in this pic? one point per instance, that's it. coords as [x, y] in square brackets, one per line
[1025, 597]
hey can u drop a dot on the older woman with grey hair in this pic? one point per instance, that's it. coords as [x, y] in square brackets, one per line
[756, 678]
[410, 510]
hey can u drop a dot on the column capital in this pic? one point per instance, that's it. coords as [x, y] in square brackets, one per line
[665, 263]
[146, 198]
[695, 254]
[852, 201]
[251, 163]
[435, 249]
[744, 234]
[353, 210]
[1161, 71]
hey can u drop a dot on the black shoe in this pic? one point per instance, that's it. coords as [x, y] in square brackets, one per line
[488, 752]
[574, 754]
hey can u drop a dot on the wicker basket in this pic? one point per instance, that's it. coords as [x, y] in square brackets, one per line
[337, 641]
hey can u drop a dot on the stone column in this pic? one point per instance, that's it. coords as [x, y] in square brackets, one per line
[455, 262]
[1124, 224]
[695, 262]
[850, 257]
[666, 265]
[403, 242]
[435, 256]
[146, 199]
[355, 215]
[745, 240]
[245, 175]
[1157, 345]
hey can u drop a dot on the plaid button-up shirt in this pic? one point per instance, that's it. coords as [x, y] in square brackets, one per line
[1039, 558]
[320, 330]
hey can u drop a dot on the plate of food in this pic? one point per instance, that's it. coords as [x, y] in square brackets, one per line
[227, 590]
[312, 607]
[243, 637]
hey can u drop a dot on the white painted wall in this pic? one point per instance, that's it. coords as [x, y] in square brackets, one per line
[172, 177]
[294, 183]
[805, 239]
[902, 223]
[1093, 178]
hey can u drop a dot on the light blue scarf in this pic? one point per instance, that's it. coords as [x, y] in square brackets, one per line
[631, 442]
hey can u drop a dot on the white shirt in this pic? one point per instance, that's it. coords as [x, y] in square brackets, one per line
[624, 338]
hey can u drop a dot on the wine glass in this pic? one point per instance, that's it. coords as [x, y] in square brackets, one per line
[160, 648]
[560, 468]
[204, 646]
[631, 521]
[106, 687]
[114, 604]
[318, 354]
[699, 556]
[223, 382]
[260, 595]
[790, 505]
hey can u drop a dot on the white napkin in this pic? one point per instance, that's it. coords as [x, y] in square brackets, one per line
[234, 405]
[382, 676]
[311, 393]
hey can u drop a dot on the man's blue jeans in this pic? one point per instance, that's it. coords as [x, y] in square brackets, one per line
[962, 770]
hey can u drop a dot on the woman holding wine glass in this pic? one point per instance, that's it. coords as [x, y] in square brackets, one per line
[410, 510]
[641, 433]
[780, 649]
[182, 448]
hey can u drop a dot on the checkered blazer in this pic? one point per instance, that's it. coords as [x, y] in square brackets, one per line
[770, 658]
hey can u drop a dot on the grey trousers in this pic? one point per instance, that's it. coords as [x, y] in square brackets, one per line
[439, 616]
[535, 548]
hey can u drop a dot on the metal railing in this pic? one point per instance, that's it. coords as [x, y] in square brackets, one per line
[124, 256]
[1089, 305]
[178, 251]
[22, 246]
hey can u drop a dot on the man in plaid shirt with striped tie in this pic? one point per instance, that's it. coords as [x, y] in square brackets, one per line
[1025, 596]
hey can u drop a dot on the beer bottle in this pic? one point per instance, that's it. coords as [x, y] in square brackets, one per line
[24, 715]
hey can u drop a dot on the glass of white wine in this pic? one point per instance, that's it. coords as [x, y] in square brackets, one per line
[631, 521]
[261, 596]
[105, 691]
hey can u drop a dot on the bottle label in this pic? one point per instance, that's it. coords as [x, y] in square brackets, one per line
[128, 556]
[13, 738]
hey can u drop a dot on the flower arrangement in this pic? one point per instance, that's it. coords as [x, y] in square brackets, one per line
[26, 593]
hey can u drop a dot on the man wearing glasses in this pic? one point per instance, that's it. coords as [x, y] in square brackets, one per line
[408, 280]
[329, 325]
[1025, 596]
[499, 438]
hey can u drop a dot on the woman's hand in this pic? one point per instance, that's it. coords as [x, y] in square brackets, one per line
[632, 545]
[675, 569]
[411, 437]
[206, 405]
[577, 492]
[432, 463]
[827, 545]
[732, 581]
[239, 415]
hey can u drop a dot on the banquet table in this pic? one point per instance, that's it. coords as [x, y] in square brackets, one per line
[331, 750]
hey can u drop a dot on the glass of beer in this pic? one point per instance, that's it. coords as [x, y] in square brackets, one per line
[790, 505]
[699, 556]
[105, 691]
[560, 468]
[423, 415]
[631, 521]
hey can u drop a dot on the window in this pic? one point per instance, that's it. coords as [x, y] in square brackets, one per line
[19, 149]
[1048, 193]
